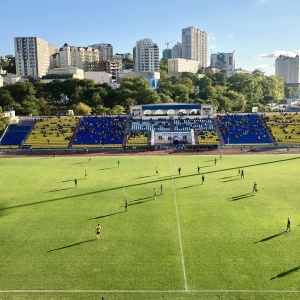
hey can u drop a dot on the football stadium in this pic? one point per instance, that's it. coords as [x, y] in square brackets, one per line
[171, 201]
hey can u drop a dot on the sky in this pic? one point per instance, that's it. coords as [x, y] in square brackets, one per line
[257, 30]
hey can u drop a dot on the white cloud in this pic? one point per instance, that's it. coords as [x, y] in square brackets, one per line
[277, 53]
[211, 37]
[213, 46]
[264, 66]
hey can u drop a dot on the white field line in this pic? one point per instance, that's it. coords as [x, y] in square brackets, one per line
[178, 228]
[150, 291]
[125, 192]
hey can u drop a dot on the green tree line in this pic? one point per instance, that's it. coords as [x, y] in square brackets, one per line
[238, 93]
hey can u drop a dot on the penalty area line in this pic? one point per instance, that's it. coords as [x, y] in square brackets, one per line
[125, 186]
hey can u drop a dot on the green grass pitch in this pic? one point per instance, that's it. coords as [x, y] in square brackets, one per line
[215, 240]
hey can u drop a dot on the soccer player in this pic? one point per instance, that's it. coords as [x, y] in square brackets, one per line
[154, 192]
[90, 158]
[85, 174]
[179, 171]
[75, 182]
[161, 190]
[98, 231]
[215, 160]
[198, 170]
[118, 163]
[156, 172]
[239, 171]
[203, 178]
[255, 188]
[288, 225]
[126, 205]
[242, 173]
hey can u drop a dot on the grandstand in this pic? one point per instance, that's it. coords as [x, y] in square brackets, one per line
[52, 132]
[137, 139]
[284, 127]
[243, 129]
[173, 126]
[97, 131]
[15, 134]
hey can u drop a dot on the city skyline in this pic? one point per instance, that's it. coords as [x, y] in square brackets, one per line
[257, 30]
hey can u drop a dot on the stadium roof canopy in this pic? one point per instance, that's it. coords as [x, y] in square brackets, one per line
[174, 106]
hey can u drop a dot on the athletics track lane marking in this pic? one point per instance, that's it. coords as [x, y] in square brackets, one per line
[178, 229]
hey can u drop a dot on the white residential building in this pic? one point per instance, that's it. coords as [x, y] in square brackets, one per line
[223, 61]
[63, 74]
[13, 78]
[32, 56]
[99, 77]
[288, 68]
[194, 45]
[85, 58]
[146, 56]
[105, 51]
[78, 73]
[176, 66]
[237, 71]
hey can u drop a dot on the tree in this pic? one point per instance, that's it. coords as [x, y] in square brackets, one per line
[218, 79]
[205, 90]
[247, 85]
[163, 65]
[137, 89]
[8, 65]
[30, 106]
[81, 109]
[291, 92]
[238, 101]
[44, 108]
[101, 110]
[4, 121]
[20, 90]
[127, 60]
[6, 100]
[117, 110]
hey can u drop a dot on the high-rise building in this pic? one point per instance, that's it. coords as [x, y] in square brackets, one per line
[177, 51]
[146, 56]
[223, 61]
[32, 56]
[288, 68]
[194, 45]
[105, 51]
[167, 53]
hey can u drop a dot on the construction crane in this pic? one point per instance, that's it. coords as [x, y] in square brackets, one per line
[167, 43]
